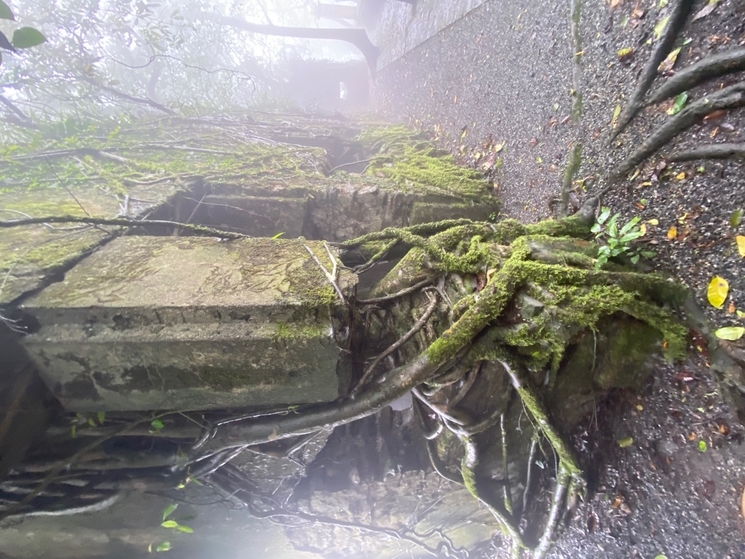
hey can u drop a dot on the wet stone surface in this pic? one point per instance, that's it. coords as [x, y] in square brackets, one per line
[191, 323]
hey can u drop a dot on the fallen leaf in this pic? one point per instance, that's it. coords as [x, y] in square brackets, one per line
[672, 232]
[714, 132]
[706, 10]
[616, 114]
[681, 176]
[667, 64]
[717, 291]
[614, 4]
[626, 441]
[499, 147]
[643, 229]
[680, 102]
[654, 221]
[659, 29]
[740, 314]
[731, 333]
[731, 308]
[736, 218]
[714, 115]
[740, 245]
[624, 53]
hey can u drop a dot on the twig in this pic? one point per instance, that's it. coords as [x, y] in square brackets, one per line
[330, 277]
[396, 295]
[96, 153]
[405, 338]
[349, 165]
[529, 474]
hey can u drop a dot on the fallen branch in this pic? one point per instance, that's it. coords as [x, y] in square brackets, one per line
[96, 153]
[122, 222]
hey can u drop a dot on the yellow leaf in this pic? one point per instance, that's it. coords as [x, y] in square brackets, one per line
[717, 292]
[616, 114]
[643, 229]
[672, 232]
[654, 221]
[499, 147]
[681, 176]
[741, 245]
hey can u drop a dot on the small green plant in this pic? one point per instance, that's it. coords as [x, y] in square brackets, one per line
[617, 241]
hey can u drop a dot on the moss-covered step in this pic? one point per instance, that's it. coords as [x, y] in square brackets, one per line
[192, 323]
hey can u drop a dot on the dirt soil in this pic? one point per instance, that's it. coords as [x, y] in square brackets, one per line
[510, 89]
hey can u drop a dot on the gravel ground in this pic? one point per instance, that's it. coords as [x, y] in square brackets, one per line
[497, 88]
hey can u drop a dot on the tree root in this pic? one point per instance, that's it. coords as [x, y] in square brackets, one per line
[727, 98]
[405, 338]
[711, 151]
[677, 19]
[709, 67]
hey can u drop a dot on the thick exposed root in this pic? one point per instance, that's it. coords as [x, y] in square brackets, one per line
[712, 66]
[677, 19]
[727, 98]
[712, 151]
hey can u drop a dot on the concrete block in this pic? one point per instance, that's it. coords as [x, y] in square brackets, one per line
[192, 323]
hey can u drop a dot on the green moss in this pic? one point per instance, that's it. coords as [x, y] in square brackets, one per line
[416, 165]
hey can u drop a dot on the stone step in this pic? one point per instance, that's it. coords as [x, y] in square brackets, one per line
[192, 323]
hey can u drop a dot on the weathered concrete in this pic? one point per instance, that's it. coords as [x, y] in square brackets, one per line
[191, 323]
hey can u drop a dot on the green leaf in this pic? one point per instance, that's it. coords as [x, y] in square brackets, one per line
[630, 225]
[169, 524]
[736, 218]
[278, 235]
[597, 228]
[165, 546]
[660, 556]
[730, 333]
[604, 215]
[626, 441]
[168, 511]
[27, 37]
[185, 529]
[680, 102]
[702, 446]
[157, 425]
[634, 259]
[101, 416]
[91, 421]
[628, 237]
[649, 253]
[5, 12]
[659, 29]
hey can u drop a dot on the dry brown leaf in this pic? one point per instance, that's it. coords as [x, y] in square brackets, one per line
[715, 115]
[706, 10]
